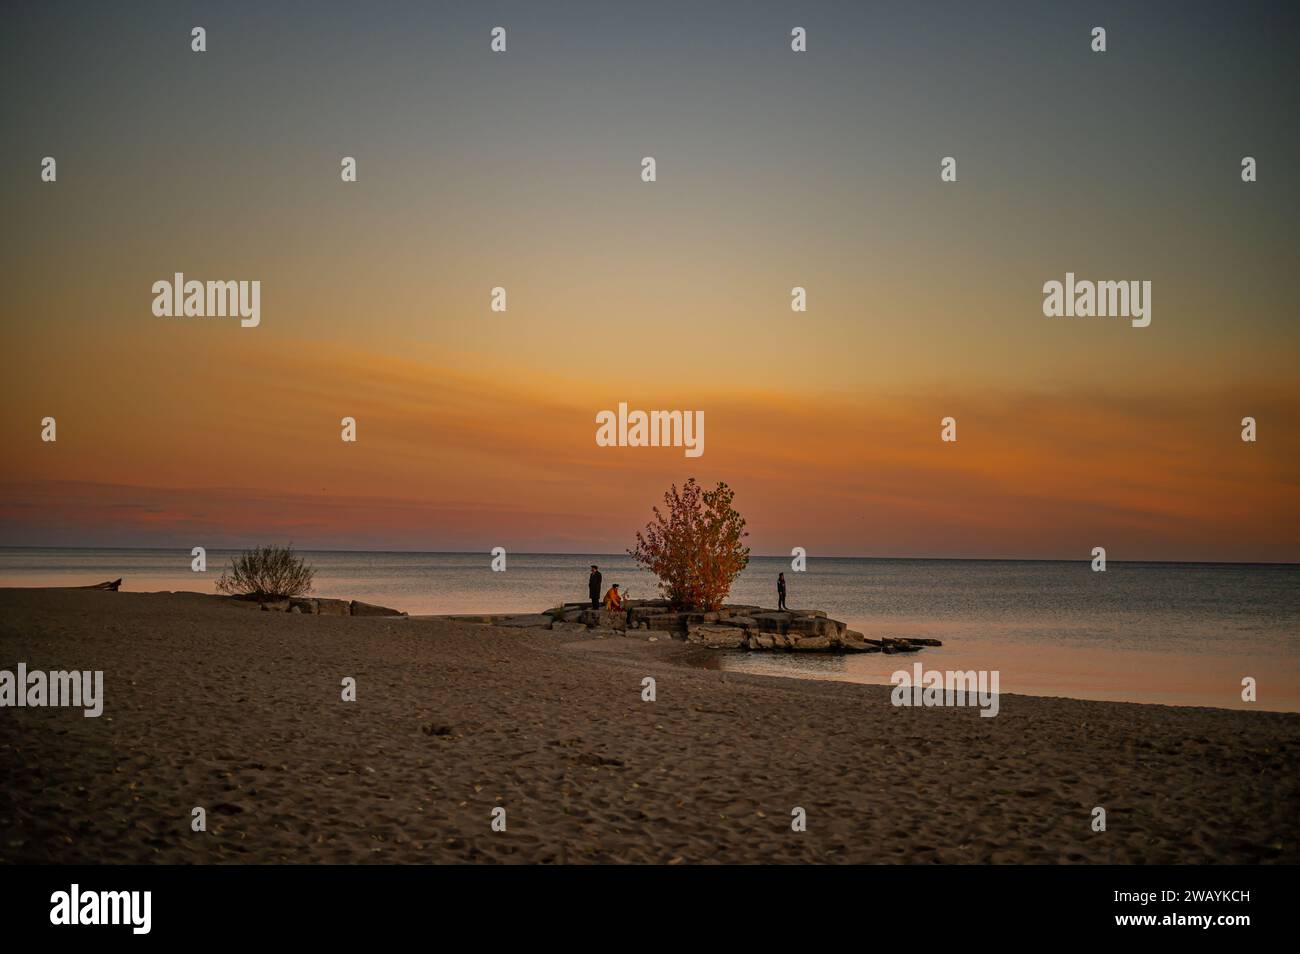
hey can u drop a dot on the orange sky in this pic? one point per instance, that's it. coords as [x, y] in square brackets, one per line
[477, 429]
[232, 444]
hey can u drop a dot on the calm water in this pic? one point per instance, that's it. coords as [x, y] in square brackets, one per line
[1177, 633]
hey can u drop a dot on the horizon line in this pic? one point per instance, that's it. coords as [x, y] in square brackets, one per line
[765, 556]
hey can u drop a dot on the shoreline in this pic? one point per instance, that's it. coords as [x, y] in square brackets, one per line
[701, 655]
[208, 705]
[764, 664]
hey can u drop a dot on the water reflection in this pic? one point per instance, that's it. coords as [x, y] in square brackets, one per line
[795, 665]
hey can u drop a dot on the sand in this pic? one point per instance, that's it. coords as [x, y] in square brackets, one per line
[239, 711]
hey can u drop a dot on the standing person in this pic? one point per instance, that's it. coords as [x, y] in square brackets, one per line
[780, 591]
[593, 586]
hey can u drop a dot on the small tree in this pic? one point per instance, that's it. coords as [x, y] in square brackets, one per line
[267, 573]
[695, 547]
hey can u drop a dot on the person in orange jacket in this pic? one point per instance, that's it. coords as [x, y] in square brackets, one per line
[612, 599]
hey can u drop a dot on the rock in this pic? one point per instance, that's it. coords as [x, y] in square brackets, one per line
[732, 626]
[358, 608]
[851, 641]
[815, 626]
[771, 622]
[333, 607]
[813, 644]
[744, 622]
[526, 621]
[717, 637]
[647, 606]
[696, 618]
[303, 606]
[605, 619]
[275, 606]
[899, 646]
[667, 622]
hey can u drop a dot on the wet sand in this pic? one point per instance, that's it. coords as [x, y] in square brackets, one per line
[239, 711]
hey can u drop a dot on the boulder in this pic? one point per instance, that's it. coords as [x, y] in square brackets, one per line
[744, 622]
[771, 622]
[851, 641]
[717, 637]
[892, 646]
[605, 619]
[809, 625]
[275, 606]
[667, 622]
[326, 607]
[563, 627]
[637, 614]
[359, 608]
[804, 626]
[813, 644]
[303, 606]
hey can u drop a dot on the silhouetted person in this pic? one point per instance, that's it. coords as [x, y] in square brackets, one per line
[593, 586]
[780, 591]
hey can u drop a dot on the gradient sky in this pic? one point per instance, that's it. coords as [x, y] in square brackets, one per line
[775, 169]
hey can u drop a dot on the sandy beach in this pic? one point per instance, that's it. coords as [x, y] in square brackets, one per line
[239, 711]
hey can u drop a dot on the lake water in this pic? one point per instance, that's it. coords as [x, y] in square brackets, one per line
[1175, 633]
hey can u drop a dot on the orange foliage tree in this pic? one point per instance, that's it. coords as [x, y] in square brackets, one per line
[694, 546]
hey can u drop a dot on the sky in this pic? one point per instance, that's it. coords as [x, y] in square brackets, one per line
[774, 169]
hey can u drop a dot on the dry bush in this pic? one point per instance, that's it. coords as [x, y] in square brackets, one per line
[267, 573]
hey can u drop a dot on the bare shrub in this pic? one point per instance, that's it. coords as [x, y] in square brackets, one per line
[267, 573]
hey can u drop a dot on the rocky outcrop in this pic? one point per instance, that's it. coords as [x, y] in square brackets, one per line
[328, 607]
[370, 609]
[733, 626]
[604, 619]
[718, 637]
[806, 638]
